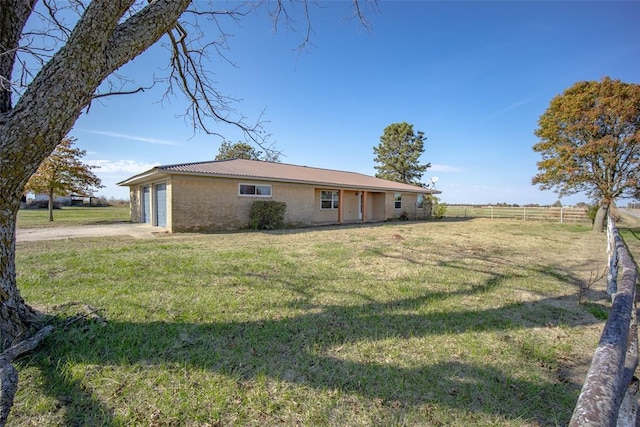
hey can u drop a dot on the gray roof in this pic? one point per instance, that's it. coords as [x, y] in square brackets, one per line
[279, 172]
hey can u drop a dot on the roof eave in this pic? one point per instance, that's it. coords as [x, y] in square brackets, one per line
[160, 171]
[141, 177]
[296, 181]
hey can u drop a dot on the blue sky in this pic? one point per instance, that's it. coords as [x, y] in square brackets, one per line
[473, 76]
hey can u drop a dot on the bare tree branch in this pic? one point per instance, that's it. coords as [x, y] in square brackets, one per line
[206, 102]
[9, 375]
[361, 15]
[120, 92]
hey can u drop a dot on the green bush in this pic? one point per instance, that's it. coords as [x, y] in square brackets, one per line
[439, 210]
[436, 209]
[404, 216]
[267, 215]
[592, 210]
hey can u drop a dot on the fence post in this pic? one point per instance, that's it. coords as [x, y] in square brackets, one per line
[491, 212]
[524, 213]
[609, 396]
[612, 275]
[561, 213]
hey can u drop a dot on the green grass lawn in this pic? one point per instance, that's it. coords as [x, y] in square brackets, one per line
[69, 216]
[419, 323]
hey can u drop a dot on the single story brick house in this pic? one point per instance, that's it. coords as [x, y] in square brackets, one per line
[217, 195]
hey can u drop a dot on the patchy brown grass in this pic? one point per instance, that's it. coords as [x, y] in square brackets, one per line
[418, 323]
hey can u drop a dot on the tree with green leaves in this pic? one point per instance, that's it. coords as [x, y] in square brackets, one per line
[63, 173]
[590, 142]
[398, 154]
[242, 150]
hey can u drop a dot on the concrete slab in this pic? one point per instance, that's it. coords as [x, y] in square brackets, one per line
[139, 231]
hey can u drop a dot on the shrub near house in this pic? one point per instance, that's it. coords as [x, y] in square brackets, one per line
[267, 215]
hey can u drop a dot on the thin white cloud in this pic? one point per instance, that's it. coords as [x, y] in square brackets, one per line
[508, 108]
[132, 137]
[444, 168]
[130, 167]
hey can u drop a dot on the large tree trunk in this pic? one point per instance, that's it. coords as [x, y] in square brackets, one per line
[50, 207]
[600, 222]
[16, 317]
[46, 111]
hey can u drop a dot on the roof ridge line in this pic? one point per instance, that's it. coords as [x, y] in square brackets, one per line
[189, 163]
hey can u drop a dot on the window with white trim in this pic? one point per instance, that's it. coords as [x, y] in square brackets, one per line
[254, 190]
[329, 199]
[397, 204]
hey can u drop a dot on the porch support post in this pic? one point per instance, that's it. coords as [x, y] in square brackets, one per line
[340, 205]
[364, 206]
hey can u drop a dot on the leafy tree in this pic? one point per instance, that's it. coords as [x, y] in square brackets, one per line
[590, 142]
[52, 69]
[398, 154]
[63, 173]
[242, 150]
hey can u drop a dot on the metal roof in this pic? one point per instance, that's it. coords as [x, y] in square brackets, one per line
[281, 172]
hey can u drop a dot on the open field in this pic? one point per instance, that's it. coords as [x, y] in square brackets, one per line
[450, 323]
[73, 216]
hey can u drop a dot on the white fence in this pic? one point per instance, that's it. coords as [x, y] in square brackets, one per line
[553, 214]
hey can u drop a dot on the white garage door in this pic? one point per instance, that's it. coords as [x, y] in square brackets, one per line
[161, 205]
[146, 205]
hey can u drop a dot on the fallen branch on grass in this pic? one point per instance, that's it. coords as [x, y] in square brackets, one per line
[90, 312]
[9, 375]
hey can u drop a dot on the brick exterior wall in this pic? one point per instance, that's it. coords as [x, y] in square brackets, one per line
[214, 204]
[205, 204]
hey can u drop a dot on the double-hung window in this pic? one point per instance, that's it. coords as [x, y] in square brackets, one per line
[397, 201]
[329, 199]
[254, 190]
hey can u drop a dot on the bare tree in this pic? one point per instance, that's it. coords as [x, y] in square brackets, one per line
[105, 37]
[51, 70]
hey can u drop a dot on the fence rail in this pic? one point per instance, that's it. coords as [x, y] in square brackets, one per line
[609, 396]
[559, 214]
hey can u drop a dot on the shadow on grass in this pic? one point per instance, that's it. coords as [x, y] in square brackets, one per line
[356, 224]
[305, 350]
[635, 232]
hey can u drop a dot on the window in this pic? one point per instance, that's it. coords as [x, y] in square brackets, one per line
[329, 200]
[255, 190]
[398, 201]
[420, 201]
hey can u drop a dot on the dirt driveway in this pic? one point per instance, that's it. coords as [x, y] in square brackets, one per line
[139, 231]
